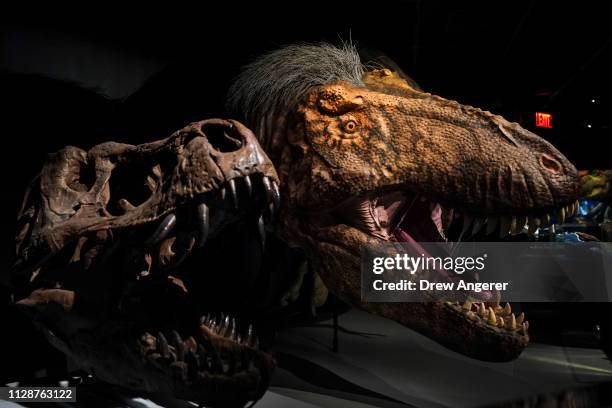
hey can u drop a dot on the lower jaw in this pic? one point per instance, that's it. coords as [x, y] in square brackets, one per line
[338, 250]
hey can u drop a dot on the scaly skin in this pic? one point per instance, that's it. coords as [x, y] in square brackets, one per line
[343, 147]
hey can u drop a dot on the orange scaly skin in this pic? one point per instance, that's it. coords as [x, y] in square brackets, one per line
[344, 141]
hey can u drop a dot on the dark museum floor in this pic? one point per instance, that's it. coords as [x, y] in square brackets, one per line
[382, 364]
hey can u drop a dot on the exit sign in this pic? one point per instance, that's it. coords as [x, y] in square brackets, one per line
[543, 120]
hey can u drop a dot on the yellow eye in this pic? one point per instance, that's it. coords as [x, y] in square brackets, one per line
[350, 126]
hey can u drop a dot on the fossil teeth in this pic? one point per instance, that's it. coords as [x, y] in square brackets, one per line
[520, 318]
[204, 319]
[482, 310]
[500, 323]
[492, 222]
[267, 188]
[467, 305]
[204, 223]
[163, 229]
[524, 328]
[162, 345]
[248, 184]
[546, 219]
[249, 337]
[224, 325]
[507, 309]
[262, 231]
[504, 226]
[231, 330]
[492, 320]
[223, 193]
[512, 322]
[478, 224]
[276, 194]
[179, 346]
[233, 193]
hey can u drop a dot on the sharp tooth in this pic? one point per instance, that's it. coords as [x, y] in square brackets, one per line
[162, 345]
[249, 337]
[204, 224]
[478, 224]
[521, 220]
[520, 319]
[262, 231]
[162, 231]
[204, 319]
[500, 323]
[507, 309]
[225, 325]
[546, 219]
[223, 193]
[482, 310]
[233, 193]
[467, 222]
[276, 194]
[534, 224]
[248, 184]
[524, 328]
[231, 332]
[492, 222]
[492, 320]
[467, 305]
[504, 226]
[179, 346]
[561, 215]
[512, 322]
[513, 225]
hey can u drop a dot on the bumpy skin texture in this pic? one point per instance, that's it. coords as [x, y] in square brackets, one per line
[101, 240]
[344, 141]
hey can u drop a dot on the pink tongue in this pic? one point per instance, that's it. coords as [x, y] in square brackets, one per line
[436, 216]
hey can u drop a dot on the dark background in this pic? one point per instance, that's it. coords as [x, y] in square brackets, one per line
[77, 76]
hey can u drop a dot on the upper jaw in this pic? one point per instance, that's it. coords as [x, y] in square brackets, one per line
[388, 212]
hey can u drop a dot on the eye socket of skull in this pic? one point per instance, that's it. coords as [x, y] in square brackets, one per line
[222, 135]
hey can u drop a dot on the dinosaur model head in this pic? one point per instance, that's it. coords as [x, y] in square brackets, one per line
[364, 158]
[110, 252]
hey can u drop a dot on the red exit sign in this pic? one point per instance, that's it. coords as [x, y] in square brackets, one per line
[543, 120]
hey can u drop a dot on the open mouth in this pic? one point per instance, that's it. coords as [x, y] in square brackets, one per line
[174, 239]
[400, 215]
[218, 355]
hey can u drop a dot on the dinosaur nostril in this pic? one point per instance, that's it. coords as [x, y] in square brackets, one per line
[551, 165]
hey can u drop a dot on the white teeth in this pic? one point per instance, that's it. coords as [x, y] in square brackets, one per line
[514, 225]
[561, 215]
[534, 224]
[492, 222]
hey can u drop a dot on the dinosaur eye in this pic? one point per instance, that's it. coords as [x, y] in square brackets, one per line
[350, 126]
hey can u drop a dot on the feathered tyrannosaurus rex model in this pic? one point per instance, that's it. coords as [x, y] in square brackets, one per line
[362, 157]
